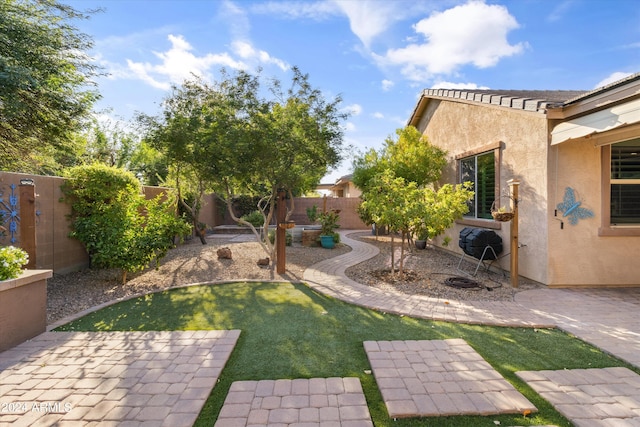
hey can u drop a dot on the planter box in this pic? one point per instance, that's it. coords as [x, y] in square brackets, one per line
[310, 237]
[23, 307]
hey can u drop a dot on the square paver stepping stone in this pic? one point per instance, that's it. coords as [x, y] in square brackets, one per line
[301, 402]
[440, 378]
[590, 397]
[112, 378]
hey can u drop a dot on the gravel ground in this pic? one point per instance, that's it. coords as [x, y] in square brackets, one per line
[428, 271]
[193, 262]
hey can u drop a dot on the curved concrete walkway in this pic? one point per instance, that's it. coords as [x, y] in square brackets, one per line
[606, 318]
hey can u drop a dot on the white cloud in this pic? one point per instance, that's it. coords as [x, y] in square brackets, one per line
[474, 33]
[461, 86]
[353, 109]
[179, 63]
[614, 77]
[349, 127]
[246, 51]
[368, 18]
[387, 85]
[378, 115]
[236, 18]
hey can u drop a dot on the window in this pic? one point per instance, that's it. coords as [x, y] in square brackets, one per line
[481, 171]
[625, 183]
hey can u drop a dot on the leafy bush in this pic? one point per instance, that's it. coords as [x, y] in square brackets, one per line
[312, 214]
[244, 205]
[255, 218]
[118, 227]
[329, 222]
[12, 260]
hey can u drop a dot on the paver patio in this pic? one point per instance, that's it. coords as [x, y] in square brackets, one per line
[438, 378]
[112, 378]
[301, 402]
[590, 397]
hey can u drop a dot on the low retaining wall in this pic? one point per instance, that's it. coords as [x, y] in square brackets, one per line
[23, 307]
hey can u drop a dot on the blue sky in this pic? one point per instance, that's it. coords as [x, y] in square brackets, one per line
[377, 54]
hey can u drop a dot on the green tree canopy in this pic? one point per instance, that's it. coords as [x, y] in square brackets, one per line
[45, 86]
[232, 138]
[399, 188]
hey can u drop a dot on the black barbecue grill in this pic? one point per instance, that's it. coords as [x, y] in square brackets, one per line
[480, 243]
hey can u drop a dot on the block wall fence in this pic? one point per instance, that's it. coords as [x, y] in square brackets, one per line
[56, 251]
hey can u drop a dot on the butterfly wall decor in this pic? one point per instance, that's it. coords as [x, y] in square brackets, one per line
[570, 207]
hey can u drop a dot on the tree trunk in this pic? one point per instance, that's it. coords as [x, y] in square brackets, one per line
[401, 270]
[393, 258]
[200, 232]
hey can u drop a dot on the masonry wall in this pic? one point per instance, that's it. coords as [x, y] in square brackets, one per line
[349, 219]
[54, 249]
[461, 127]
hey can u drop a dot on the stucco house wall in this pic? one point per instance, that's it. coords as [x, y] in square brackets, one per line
[520, 139]
[549, 141]
[578, 255]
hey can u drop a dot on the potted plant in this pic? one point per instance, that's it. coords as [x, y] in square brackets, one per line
[12, 261]
[422, 235]
[328, 223]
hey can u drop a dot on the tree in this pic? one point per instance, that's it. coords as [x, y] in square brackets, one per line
[234, 141]
[196, 133]
[45, 82]
[399, 188]
[395, 203]
[110, 143]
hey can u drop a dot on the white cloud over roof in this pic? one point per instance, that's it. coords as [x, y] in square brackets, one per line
[470, 34]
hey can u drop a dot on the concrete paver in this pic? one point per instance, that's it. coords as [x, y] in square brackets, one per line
[590, 397]
[438, 378]
[605, 318]
[81, 378]
[298, 402]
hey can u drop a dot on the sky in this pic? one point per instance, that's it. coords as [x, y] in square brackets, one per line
[377, 55]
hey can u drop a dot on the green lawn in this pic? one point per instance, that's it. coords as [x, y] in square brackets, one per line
[290, 331]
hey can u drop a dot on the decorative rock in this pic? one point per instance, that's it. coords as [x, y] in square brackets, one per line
[224, 253]
[263, 262]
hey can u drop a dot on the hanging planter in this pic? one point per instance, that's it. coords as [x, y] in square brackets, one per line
[501, 214]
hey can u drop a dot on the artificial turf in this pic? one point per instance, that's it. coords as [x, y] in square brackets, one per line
[290, 331]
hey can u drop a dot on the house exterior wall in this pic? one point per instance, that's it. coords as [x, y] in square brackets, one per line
[459, 128]
[578, 255]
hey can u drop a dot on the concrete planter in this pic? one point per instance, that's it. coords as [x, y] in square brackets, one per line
[23, 307]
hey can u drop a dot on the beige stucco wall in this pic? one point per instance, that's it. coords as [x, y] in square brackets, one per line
[578, 256]
[462, 127]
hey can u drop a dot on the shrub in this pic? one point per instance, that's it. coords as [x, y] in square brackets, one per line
[12, 260]
[254, 218]
[244, 205]
[118, 227]
[328, 222]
